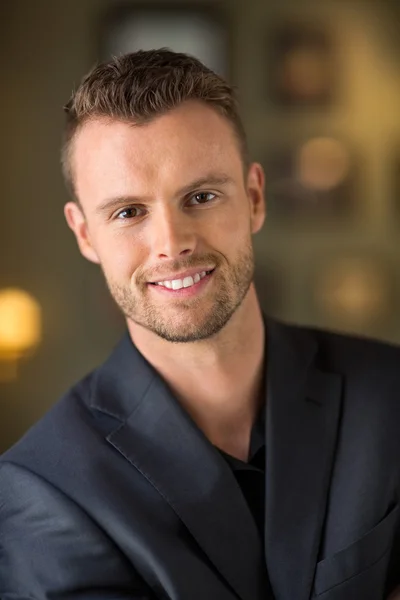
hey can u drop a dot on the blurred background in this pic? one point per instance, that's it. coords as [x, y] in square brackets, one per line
[319, 84]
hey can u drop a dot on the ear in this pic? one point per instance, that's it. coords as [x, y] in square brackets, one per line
[255, 193]
[77, 222]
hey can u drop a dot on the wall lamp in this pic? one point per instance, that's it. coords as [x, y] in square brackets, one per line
[20, 330]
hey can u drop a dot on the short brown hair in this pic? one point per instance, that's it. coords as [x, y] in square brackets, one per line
[143, 85]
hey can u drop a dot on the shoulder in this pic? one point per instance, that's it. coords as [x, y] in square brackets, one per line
[54, 433]
[367, 372]
[368, 368]
[342, 348]
[75, 430]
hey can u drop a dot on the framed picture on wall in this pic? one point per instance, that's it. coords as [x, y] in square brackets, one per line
[199, 30]
[311, 180]
[301, 66]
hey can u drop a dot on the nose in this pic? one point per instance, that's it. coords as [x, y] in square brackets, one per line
[173, 234]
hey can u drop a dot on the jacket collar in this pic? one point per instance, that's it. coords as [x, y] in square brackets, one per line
[303, 409]
[158, 437]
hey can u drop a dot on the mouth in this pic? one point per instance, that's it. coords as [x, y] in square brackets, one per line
[185, 286]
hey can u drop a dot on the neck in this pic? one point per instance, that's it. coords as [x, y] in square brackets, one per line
[222, 377]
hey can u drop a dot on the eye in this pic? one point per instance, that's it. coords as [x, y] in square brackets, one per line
[129, 213]
[201, 198]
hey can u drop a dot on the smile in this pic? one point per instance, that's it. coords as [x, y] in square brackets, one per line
[177, 284]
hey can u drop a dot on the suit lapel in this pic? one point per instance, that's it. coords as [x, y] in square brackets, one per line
[302, 419]
[162, 442]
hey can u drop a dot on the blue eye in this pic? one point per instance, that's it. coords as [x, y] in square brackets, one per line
[202, 198]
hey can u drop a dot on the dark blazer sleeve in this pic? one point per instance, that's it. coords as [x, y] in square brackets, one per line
[49, 547]
[393, 581]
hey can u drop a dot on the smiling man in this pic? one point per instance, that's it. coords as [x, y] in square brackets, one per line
[216, 454]
[166, 213]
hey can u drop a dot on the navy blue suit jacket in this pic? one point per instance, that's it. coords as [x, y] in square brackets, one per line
[116, 493]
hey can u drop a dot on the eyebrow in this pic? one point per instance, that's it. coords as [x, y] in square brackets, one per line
[209, 180]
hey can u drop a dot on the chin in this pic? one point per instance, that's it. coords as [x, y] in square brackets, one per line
[191, 330]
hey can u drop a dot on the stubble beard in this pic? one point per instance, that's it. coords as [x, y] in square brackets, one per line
[197, 318]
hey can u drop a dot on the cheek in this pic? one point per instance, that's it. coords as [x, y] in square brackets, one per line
[233, 227]
[120, 255]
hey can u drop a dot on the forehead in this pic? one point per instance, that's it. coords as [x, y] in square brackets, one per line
[173, 148]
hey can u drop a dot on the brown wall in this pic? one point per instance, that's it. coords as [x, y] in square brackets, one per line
[45, 48]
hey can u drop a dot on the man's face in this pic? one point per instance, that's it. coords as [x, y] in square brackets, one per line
[168, 215]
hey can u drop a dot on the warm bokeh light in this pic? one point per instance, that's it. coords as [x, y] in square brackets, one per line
[20, 323]
[353, 290]
[322, 163]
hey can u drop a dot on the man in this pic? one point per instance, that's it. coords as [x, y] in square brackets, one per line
[149, 478]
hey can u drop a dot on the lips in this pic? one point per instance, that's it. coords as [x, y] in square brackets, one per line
[182, 274]
[185, 282]
[186, 285]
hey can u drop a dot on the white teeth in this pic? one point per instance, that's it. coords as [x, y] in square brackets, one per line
[188, 281]
[177, 284]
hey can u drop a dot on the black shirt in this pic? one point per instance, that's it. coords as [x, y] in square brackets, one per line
[250, 475]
